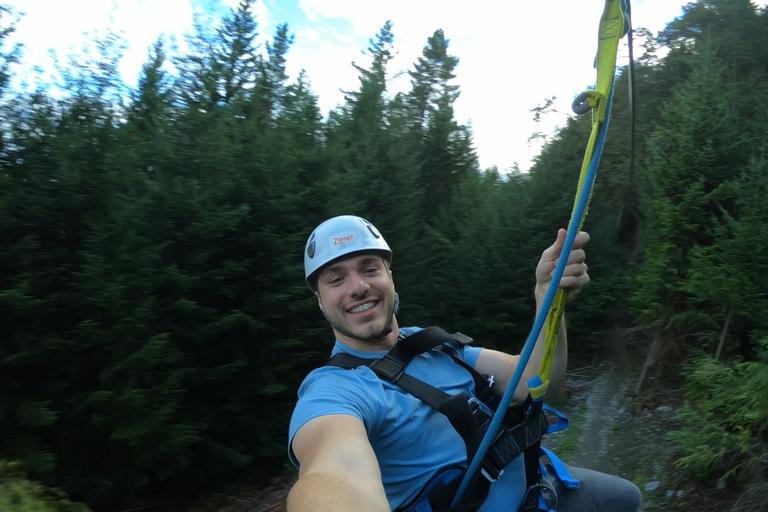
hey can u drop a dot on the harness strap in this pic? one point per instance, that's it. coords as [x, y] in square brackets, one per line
[391, 368]
[456, 408]
[483, 384]
[510, 443]
[523, 427]
[560, 470]
[424, 392]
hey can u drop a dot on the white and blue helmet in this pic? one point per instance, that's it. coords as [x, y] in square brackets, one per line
[338, 238]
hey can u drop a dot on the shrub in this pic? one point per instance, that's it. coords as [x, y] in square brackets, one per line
[19, 494]
[726, 420]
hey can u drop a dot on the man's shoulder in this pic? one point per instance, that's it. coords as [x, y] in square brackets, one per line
[407, 331]
[330, 372]
[338, 379]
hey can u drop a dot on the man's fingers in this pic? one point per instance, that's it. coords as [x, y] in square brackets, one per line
[574, 270]
[553, 251]
[571, 270]
[581, 240]
[576, 256]
[574, 282]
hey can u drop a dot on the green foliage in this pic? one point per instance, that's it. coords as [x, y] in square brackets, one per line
[726, 420]
[155, 321]
[134, 292]
[726, 293]
[700, 271]
[19, 494]
[8, 56]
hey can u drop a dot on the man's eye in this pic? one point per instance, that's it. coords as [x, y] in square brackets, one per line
[371, 270]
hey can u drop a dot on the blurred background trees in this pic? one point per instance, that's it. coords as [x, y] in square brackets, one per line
[155, 322]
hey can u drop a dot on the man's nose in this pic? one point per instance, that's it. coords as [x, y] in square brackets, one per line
[358, 285]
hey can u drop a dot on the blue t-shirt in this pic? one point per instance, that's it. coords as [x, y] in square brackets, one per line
[412, 441]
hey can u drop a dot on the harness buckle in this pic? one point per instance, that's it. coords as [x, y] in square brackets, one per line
[484, 471]
[488, 469]
[482, 418]
[388, 368]
[543, 491]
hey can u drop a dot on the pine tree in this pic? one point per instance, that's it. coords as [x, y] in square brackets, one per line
[697, 149]
[365, 140]
[444, 148]
[430, 82]
[8, 56]
[725, 284]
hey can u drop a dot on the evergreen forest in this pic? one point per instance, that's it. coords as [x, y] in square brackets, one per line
[154, 321]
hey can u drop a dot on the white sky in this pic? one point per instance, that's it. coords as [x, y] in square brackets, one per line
[513, 54]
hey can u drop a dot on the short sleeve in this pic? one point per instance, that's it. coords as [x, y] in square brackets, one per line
[470, 354]
[331, 390]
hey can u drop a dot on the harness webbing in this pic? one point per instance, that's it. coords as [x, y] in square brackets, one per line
[612, 28]
[523, 427]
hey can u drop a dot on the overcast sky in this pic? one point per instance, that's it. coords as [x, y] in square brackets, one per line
[513, 54]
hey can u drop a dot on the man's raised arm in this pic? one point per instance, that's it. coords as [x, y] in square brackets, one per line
[502, 366]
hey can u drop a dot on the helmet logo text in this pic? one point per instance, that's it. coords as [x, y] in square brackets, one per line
[344, 240]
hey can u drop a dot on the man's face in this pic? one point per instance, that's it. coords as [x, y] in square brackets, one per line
[357, 295]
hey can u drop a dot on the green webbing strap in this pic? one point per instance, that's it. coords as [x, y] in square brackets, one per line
[612, 28]
[614, 24]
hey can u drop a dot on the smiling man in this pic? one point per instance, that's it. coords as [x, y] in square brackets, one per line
[358, 299]
[363, 440]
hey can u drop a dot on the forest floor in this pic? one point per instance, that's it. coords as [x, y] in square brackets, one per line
[616, 432]
[611, 431]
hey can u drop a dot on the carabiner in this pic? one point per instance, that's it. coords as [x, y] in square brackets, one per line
[581, 104]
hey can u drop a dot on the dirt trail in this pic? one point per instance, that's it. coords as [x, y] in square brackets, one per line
[605, 403]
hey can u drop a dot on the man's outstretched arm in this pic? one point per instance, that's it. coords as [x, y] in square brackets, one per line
[339, 471]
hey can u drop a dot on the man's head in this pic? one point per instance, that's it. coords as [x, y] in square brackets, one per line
[337, 238]
[346, 265]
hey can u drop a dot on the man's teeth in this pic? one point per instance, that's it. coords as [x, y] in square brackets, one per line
[363, 307]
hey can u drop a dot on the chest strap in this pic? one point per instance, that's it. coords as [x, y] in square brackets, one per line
[391, 368]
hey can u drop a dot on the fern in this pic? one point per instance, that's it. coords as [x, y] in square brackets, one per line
[726, 421]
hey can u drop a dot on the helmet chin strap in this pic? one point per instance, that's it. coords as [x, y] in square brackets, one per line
[395, 310]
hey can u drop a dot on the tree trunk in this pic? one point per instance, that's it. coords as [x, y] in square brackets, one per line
[650, 361]
[723, 334]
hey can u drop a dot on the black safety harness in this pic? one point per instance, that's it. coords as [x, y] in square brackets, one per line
[522, 430]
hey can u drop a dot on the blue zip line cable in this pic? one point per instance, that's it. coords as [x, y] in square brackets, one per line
[573, 229]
